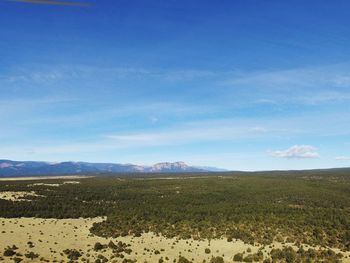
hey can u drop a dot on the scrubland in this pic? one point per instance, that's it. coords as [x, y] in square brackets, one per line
[293, 217]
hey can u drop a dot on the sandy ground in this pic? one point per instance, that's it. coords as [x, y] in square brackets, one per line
[54, 185]
[16, 196]
[44, 177]
[51, 236]
[44, 184]
[71, 182]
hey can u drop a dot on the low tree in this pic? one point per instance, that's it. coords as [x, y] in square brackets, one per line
[238, 257]
[217, 260]
[9, 252]
[183, 260]
[72, 254]
[98, 246]
[31, 255]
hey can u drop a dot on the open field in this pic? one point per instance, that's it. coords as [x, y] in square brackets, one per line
[17, 196]
[298, 217]
[49, 238]
[30, 178]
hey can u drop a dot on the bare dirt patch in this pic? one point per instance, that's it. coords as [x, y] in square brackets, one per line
[53, 184]
[43, 184]
[17, 196]
[44, 178]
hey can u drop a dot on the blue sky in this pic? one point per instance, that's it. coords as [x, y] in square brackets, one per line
[243, 85]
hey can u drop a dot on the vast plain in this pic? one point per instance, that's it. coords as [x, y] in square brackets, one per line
[216, 217]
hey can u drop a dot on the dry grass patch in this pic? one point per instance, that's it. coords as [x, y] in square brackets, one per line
[17, 196]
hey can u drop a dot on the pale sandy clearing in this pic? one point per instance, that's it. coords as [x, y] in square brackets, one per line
[44, 177]
[17, 196]
[71, 182]
[54, 185]
[51, 236]
[43, 184]
[187, 177]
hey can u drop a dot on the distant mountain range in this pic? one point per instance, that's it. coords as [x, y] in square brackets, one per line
[18, 168]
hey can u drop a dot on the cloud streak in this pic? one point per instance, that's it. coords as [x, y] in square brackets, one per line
[343, 158]
[51, 2]
[305, 86]
[297, 152]
[194, 132]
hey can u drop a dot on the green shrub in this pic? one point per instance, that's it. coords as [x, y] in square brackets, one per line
[183, 260]
[9, 252]
[31, 255]
[217, 260]
[238, 257]
[98, 246]
[72, 254]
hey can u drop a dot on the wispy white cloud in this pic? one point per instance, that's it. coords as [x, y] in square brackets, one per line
[210, 131]
[342, 158]
[310, 85]
[342, 80]
[49, 73]
[16, 102]
[193, 132]
[297, 152]
[153, 119]
[53, 2]
[30, 76]
[21, 108]
[302, 86]
[325, 96]
[152, 112]
[259, 129]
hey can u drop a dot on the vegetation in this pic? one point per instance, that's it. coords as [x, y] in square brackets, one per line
[307, 207]
[31, 255]
[98, 246]
[17, 259]
[288, 254]
[238, 257]
[217, 260]
[183, 260]
[72, 254]
[9, 252]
